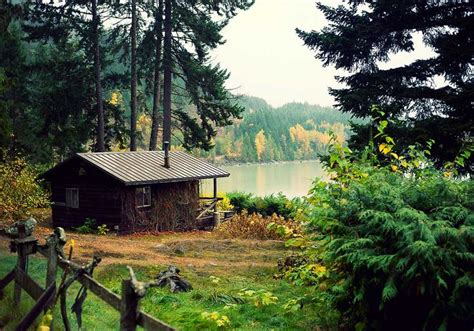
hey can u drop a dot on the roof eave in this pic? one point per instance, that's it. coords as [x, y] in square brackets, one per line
[174, 180]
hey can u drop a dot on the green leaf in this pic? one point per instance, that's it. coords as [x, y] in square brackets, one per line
[389, 140]
[389, 290]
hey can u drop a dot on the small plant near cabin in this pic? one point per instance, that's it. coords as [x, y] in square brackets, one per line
[89, 226]
[102, 230]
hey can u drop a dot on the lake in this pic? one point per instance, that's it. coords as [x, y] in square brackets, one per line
[291, 178]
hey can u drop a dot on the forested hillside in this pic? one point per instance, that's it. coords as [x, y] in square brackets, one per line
[295, 131]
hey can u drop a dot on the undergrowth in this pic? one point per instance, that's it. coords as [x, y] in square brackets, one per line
[391, 239]
[256, 226]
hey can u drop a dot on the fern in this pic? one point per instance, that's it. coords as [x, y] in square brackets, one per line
[400, 249]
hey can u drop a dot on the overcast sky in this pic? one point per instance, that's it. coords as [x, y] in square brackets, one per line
[268, 60]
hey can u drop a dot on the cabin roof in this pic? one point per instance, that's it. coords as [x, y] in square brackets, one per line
[146, 167]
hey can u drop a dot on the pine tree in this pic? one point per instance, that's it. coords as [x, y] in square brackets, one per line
[134, 76]
[362, 35]
[11, 76]
[190, 32]
[100, 146]
[167, 74]
[83, 19]
[67, 67]
[158, 36]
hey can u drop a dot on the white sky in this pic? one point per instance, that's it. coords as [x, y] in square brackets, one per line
[267, 59]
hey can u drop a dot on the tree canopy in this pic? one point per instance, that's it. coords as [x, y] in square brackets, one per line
[71, 74]
[429, 97]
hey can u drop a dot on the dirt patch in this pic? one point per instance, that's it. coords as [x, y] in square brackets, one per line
[105, 254]
[201, 251]
[200, 246]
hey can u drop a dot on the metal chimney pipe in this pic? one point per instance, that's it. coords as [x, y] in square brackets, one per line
[167, 154]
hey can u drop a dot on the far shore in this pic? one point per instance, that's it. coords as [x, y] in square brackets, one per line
[231, 163]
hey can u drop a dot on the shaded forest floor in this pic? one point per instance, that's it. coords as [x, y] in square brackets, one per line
[218, 269]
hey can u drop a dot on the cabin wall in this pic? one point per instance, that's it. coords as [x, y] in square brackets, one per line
[173, 208]
[99, 196]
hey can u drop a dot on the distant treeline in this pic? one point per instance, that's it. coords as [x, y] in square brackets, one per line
[295, 131]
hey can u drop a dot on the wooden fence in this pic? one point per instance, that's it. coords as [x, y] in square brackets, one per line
[127, 304]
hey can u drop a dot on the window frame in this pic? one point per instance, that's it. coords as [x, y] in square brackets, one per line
[72, 197]
[143, 193]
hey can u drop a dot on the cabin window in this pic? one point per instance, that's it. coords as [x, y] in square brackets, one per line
[143, 196]
[72, 197]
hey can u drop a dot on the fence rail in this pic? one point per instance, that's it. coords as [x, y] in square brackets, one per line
[127, 304]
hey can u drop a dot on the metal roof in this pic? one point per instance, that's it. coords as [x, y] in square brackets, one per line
[146, 167]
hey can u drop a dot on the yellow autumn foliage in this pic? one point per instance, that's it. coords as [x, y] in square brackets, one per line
[20, 192]
[115, 98]
[260, 143]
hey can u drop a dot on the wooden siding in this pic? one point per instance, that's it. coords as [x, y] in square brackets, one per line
[99, 196]
[108, 201]
[173, 208]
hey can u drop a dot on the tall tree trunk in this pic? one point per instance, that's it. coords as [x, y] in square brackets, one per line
[100, 146]
[168, 66]
[133, 84]
[156, 76]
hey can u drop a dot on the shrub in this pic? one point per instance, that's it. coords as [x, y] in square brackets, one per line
[256, 226]
[266, 206]
[400, 250]
[241, 201]
[225, 203]
[20, 192]
[88, 227]
[396, 245]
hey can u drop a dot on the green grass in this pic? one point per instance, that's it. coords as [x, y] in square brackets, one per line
[182, 310]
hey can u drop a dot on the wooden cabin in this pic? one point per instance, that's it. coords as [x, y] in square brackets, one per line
[131, 191]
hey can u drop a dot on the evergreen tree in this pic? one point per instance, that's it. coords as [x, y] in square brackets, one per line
[82, 19]
[12, 79]
[362, 35]
[158, 39]
[134, 76]
[191, 30]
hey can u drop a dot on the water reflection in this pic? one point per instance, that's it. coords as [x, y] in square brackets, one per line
[291, 178]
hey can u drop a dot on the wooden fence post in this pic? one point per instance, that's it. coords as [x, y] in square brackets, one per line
[21, 263]
[52, 267]
[128, 307]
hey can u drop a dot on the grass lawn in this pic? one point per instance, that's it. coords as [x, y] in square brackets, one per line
[219, 271]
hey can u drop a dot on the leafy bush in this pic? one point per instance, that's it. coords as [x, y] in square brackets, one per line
[20, 192]
[396, 240]
[88, 227]
[267, 205]
[256, 226]
[224, 204]
[400, 250]
[241, 201]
